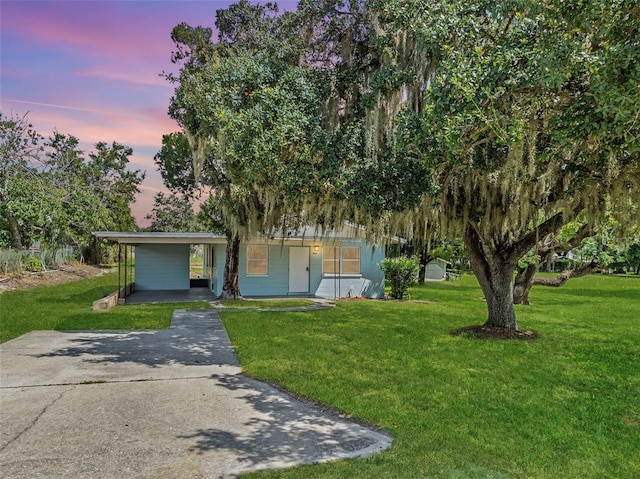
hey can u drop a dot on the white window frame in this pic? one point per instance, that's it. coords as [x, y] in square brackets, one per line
[328, 251]
[251, 247]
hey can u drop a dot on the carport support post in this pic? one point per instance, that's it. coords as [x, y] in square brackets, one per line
[126, 269]
[336, 269]
[119, 268]
[130, 274]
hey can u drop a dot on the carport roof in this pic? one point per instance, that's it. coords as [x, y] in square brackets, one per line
[348, 233]
[161, 237]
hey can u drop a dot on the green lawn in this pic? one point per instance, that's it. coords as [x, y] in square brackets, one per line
[68, 306]
[566, 405]
[563, 406]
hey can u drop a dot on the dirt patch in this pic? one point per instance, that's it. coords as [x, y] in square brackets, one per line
[64, 274]
[490, 332]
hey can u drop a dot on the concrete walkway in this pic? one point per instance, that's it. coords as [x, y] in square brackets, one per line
[155, 404]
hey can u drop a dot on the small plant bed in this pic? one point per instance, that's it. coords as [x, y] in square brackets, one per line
[490, 332]
[263, 304]
[62, 274]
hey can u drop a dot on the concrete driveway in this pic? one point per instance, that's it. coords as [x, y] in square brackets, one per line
[155, 404]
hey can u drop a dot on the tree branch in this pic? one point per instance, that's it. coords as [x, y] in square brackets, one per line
[566, 275]
[551, 225]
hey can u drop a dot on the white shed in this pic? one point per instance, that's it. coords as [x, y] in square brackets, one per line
[436, 270]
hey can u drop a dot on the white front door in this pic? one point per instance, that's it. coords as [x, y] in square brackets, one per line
[299, 269]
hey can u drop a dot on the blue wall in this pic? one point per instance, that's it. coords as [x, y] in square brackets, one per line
[162, 267]
[370, 283]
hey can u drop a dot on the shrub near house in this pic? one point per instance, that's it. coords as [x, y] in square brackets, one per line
[402, 273]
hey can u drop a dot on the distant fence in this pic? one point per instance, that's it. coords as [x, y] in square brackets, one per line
[16, 261]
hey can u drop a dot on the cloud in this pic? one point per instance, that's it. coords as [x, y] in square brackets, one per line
[36, 103]
[104, 28]
[114, 29]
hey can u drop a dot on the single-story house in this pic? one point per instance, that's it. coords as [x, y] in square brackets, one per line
[303, 263]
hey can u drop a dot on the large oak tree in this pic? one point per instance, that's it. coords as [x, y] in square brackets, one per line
[251, 117]
[524, 115]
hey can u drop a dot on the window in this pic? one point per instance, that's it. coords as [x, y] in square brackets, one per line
[351, 260]
[257, 260]
[345, 260]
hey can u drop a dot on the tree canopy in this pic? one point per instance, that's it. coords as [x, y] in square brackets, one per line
[172, 213]
[251, 118]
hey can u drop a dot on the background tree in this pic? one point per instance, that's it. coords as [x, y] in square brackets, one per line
[632, 257]
[20, 149]
[210, 215]
[582, 250]
[543, 255]
[175, 162]
[51, 192]
[172, 213]
[96, 193]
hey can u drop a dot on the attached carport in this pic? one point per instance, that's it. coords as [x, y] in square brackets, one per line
[158, 261]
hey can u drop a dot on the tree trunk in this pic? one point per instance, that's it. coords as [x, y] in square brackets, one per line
[424, 259]
[93, 252]
[494, 269]
[523, 283]
[14, 230]
[230, 286]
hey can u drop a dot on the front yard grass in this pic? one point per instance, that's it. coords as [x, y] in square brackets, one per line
[564, 405]
[67, 306]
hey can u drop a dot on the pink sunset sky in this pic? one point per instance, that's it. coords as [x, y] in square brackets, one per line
[90, 68]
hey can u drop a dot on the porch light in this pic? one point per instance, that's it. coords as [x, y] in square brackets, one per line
[316, 249]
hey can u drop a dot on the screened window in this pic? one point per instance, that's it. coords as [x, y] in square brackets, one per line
[351, 260]
[257, 260]
[330, 260]
[337, 260]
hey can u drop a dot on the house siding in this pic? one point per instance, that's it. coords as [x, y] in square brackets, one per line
[275, 282]
[370, 283]
[162, 267]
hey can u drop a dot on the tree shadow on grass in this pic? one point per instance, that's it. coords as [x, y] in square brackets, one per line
[631, 294]
[284, 430]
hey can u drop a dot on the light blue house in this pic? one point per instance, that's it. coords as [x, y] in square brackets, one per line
[332, 265]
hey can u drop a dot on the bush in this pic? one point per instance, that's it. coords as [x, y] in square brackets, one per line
[34, 264]
[401, 272]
